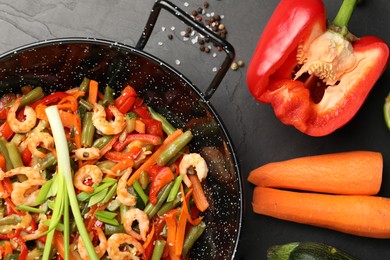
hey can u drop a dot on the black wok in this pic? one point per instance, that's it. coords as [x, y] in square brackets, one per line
[60, 64]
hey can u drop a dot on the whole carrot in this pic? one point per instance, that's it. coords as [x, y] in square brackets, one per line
[360, 215]
[356, 172]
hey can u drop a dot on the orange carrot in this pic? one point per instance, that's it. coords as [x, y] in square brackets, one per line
[93, 91]
[199, 197]
[152, 159]
[181, 229]
[355, 173]
[360, 215]
[124, 164]
[58, 243]
[3, 163]
[140, 126]
[7, 248]
[149, 238]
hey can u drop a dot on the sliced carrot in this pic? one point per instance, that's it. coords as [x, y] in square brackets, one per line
[68, 103]
[93, 91]
[140, 126]
[7, 248]
[149, 238]
[198, 194]
[58, 243]
[181, 230]
[356, 172]
[360, 215]
[2, 163]
[40, 112]
[152, 159]
[75, 92]
[124, 164]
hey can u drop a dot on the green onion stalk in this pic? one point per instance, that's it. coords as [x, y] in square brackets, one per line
[64, 170]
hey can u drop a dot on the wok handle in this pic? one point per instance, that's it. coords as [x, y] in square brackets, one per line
[200, 28]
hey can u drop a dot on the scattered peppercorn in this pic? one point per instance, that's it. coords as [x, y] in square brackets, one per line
[199, 18]
[199, 10]
[234, 66]
[170, 36]
[240, 63]
[206, 4]
[206, 49]
[194, 13]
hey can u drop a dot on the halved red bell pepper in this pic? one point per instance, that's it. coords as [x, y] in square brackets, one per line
[315, 77]
[52, 98]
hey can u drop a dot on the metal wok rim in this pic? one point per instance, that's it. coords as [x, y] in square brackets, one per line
[113, 44]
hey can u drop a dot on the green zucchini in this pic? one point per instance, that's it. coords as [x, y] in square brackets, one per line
[306, 251]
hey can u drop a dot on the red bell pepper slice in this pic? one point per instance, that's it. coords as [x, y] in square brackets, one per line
[163, 176]
[120, 156]
[153, 126]
[52, 98]
[315, 88]
[26, 156]
[142, 112]
[6, 131]
[147, 138]
[126, 100]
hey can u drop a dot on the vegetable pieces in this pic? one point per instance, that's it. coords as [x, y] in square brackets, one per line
[350, 209]
[316, 77]
[356, 172]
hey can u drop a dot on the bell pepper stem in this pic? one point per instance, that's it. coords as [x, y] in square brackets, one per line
[345, 13]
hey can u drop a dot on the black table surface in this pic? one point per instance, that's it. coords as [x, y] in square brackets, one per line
[258, 136]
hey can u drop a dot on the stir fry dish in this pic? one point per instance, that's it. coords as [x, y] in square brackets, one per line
[87, 175]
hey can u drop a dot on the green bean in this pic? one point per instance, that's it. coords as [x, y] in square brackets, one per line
[108, 96]
[111, 229]
[88, 130]
[85, 104]
[175, 188]
[140, 192]
[169, 205]
[123, 209]
[102, 141]
[32, 96]
[174, 148]
[151, 209]
[166, 126]
[110, 193]
[4, 152]
[144, 179]
[13, 256]
[106, 164]
[47, 161]
[13, 219]
[193, 234]
[84, 85]
[158, 249]
[14, 155]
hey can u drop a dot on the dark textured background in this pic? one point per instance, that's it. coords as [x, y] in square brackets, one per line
[257, 135]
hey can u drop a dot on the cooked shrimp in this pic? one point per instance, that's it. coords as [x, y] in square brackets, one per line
[196, 161]
[40, 139]
[121, 191]
[87, 153]
[120, 240]
[108, 127]
[21, 126]
[87, 172]
[99, 249]
[37, 233]
[135, 214]
[26, 193]
[30, 172]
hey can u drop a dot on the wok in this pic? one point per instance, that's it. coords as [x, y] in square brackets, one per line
[60, 64]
